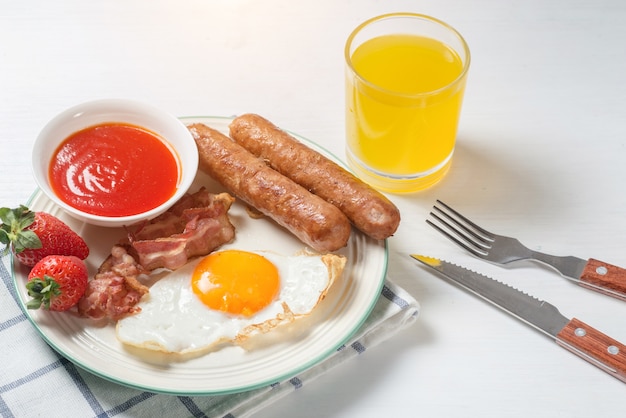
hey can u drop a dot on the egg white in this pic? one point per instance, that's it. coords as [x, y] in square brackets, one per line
[173, 320]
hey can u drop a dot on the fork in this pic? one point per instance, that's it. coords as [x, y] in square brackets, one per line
[498, 249]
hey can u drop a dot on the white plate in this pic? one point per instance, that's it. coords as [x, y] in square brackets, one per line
[265, 360]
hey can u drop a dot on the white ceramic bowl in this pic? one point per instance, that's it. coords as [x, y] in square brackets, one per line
[85, 115]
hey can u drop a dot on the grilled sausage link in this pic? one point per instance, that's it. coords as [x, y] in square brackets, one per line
[369, 211]
[314, 221]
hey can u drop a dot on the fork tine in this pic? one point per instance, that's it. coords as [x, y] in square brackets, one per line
[488, 235]
[462, 230]
[467, 234]
[471, 250]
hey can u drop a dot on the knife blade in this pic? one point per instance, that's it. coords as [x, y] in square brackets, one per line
[572, 334]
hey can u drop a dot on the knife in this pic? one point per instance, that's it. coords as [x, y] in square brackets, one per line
[571, 334]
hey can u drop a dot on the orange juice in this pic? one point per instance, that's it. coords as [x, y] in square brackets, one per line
[403, 102]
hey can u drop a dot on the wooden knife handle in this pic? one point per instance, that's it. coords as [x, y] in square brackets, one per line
[598, 349]
[605, 278]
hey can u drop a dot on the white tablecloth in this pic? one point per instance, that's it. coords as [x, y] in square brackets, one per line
[540, 156]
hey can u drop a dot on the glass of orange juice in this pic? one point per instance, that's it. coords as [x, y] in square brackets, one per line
[405, 79]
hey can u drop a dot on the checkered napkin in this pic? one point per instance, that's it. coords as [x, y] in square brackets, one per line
[36, 381]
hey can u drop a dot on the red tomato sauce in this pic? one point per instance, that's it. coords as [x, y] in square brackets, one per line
[114, 169]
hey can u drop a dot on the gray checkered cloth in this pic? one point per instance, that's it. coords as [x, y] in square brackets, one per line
[36, 381]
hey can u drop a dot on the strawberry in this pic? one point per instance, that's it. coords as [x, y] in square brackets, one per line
[57, 282]
[34, 235]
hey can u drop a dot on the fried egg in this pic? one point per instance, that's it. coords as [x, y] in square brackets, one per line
[228, 296]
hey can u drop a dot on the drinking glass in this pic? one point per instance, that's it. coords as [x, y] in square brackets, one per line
[405, 79]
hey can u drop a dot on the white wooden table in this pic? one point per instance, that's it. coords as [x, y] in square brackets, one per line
[540, 156]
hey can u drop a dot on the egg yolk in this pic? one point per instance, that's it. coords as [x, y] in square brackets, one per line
[237, 282]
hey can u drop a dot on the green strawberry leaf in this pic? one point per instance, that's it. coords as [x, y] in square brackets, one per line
[25, 216]
[26, 240]
[5, 214]
[4, 237]
[13, 232]
[42, 291]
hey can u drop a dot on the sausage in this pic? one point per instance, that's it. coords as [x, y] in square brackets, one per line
[310, 218]
[369, 210]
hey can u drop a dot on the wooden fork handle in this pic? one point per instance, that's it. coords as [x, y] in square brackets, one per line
[604, 278]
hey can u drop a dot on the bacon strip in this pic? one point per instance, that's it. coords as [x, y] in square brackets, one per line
[115, 289]
[196, 225]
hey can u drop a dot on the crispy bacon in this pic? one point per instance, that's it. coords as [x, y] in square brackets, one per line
[115, 289]
[196, 225]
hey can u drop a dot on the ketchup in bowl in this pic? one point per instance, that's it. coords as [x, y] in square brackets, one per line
[114, 169]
